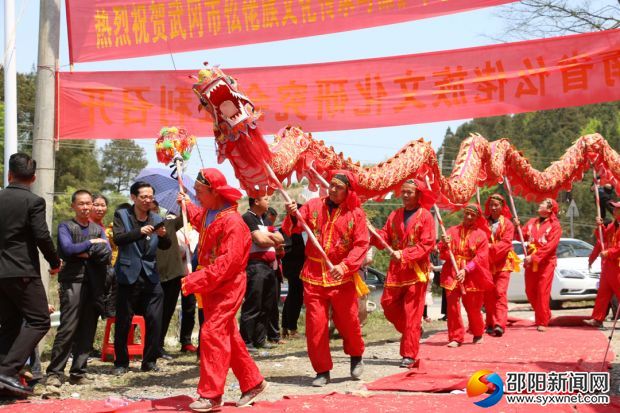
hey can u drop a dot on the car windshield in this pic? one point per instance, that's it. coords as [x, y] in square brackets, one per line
[573, 248]
[566, 249]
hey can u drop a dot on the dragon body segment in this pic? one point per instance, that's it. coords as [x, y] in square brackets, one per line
[478, 163]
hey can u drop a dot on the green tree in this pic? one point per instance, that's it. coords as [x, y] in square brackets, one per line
[77, 167]
[25, 112]
[122, 160]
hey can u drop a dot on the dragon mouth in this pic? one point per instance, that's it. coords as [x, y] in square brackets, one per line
[228, 103]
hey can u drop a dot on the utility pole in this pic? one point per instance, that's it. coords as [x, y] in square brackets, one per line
[10, 87]
[44, 115]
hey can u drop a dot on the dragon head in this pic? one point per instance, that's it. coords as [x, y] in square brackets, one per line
[232, 111]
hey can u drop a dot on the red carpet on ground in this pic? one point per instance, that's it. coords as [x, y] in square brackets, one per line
[522, 348]
[328, 403]
[442, 369]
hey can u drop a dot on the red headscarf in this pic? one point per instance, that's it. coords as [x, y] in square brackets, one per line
[216, 181]
[352, 201]
[427, 197]
[505, 210]
[481, 221]
[555, 209]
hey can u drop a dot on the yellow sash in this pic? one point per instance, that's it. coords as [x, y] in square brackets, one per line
[531, 250]
[421, 274]
[360, 285]
[514, 259]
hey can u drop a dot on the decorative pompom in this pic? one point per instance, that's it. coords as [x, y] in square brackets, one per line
[172, 143]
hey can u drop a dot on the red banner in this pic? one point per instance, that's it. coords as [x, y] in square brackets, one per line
[456, 84]
[118, 29]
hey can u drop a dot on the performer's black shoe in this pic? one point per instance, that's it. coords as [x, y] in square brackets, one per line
[489, 330]
[406, 362]
[357, 367]
[498, 331]
[321, 379]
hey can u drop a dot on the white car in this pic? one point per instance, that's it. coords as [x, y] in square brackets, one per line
[572, 281]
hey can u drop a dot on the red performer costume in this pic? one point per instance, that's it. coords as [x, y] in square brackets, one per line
[610, 268]
[339, 224]
[410, 232]
[470, 245]
[220, 281]
[543, 236]
[502, 260]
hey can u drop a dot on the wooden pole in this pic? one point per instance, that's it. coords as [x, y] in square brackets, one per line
[443, 232]
[301, 220]
[188, 255]
[598, 208]
[514, 212]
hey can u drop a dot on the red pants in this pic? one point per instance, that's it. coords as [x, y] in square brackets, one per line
[403, 307]
[496, 301]
[221, 346]
[610, 284]
[472, 301]
[538, 291]
[343, 301]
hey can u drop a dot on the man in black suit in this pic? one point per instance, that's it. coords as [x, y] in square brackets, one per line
[138, 233]
[24, 315]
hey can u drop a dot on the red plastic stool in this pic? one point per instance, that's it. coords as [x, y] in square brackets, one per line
[133, 348]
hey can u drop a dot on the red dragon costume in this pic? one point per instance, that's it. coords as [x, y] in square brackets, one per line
[470, 246]
[610, 266]
[220, 280]
[503, 261]
[342, 232]
[543, 236]
[405, 286]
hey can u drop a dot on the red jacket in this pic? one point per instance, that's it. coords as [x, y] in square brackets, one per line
[471, 251]
[501, 256]
[224, 248]
[611, 235]
[343, 234]
[543, 239]
[416, 241]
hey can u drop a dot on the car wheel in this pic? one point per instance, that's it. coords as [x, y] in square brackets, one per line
[555, 304]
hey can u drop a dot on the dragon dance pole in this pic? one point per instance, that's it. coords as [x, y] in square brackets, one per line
[372, 229]
[611, 335]
[443, 232]
[188, 256]
[173, 147]
[598, 208]
[301, 220]
[514, 211]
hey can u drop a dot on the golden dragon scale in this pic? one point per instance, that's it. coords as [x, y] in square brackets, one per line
[478, 163]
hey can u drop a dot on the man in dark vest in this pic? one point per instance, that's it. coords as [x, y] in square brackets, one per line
[138, 233]
[24, 315]
[84, 249]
